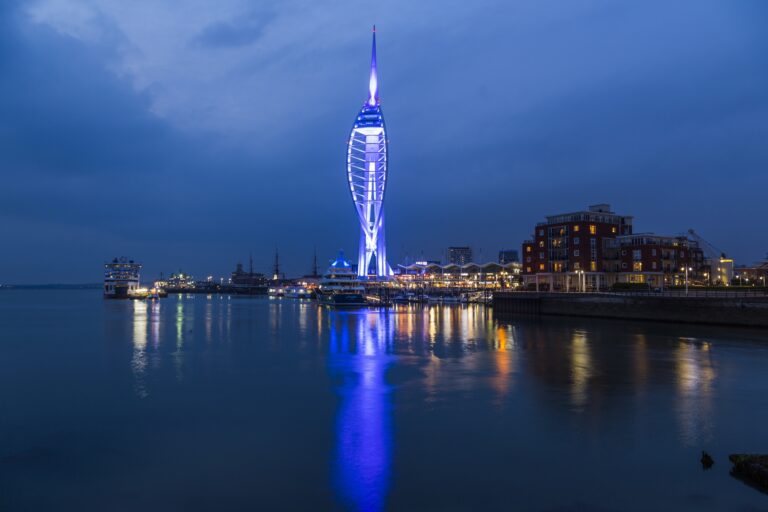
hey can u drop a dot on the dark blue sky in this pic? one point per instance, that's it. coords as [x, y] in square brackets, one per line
[188, 137]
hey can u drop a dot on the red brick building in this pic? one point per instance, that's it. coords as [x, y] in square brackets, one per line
[567, 251]
[595, 248]
[654, 259]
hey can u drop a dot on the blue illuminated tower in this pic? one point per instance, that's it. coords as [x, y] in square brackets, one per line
[367, 174]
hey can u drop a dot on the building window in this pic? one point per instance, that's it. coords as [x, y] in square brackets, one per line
[528, 259]
[528, 269]
[613, 230]
[541, 255]
[576, 266]
[576, 253]
[637, 255]
[528, 249]
[541, 232]
[576, 241]
[653, 252]
[653, 265]
[623, 252]
[541, 243]
[541, 266]
[592, 229]
[623, 264]
[593, 266]
[576, 228]
[637, 266]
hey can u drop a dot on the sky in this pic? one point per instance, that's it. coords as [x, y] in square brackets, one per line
[188, 137]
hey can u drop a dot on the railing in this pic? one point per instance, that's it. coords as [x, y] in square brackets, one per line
[691, 293]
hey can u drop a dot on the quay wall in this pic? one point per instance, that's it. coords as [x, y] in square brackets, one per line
[741, 311]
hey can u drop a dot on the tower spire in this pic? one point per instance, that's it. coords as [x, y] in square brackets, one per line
[373, 82]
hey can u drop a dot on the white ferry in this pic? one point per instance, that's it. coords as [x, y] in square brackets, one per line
[121, 279]
[340, 287]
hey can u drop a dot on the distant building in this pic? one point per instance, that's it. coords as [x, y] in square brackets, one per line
[722, 271]
[750, 276]
[459, 255]
[509, 256]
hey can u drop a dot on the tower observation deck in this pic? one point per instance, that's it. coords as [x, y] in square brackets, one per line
[367, 175]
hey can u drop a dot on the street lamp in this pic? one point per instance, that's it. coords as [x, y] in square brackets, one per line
[686, 269]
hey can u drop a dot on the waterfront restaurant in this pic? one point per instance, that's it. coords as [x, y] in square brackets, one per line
[471, 276]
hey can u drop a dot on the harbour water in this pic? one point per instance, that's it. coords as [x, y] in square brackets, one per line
[218, 403]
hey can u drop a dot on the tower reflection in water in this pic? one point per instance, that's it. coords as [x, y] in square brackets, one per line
[359, 355]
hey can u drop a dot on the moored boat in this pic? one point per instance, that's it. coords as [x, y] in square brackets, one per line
[121, 278]
[340, 287]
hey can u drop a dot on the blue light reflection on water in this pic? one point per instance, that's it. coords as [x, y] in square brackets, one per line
[202, 403]
[359, 356]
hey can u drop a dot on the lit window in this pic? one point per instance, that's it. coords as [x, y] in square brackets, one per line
[593, 266]
[637, 266]
[576, 228]
[528, 269]
[541, 266]
[541, 243]
[528, 249]
[613, 230]
[592, 229]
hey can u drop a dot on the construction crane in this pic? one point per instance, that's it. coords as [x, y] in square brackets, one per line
[710, 250]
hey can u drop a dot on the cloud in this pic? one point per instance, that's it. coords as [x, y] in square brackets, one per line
[198, 137]
[242, 31]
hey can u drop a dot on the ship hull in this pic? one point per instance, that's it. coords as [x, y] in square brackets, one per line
[118, 292]
[342, 300]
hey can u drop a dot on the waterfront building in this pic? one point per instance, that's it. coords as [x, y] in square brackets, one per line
[509, 256]
[367, 176]
[722, 270]
[596, 249]
[566, 251]
[656, 260]
[459, 255]
[470, 276]
[756, 275]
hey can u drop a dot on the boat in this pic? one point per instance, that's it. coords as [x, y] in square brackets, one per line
[121, 279]
[248, 283]
[339, 286]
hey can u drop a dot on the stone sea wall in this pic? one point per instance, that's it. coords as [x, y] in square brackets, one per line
[743, 311]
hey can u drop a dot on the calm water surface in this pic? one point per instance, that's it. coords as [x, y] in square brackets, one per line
[217, 403]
